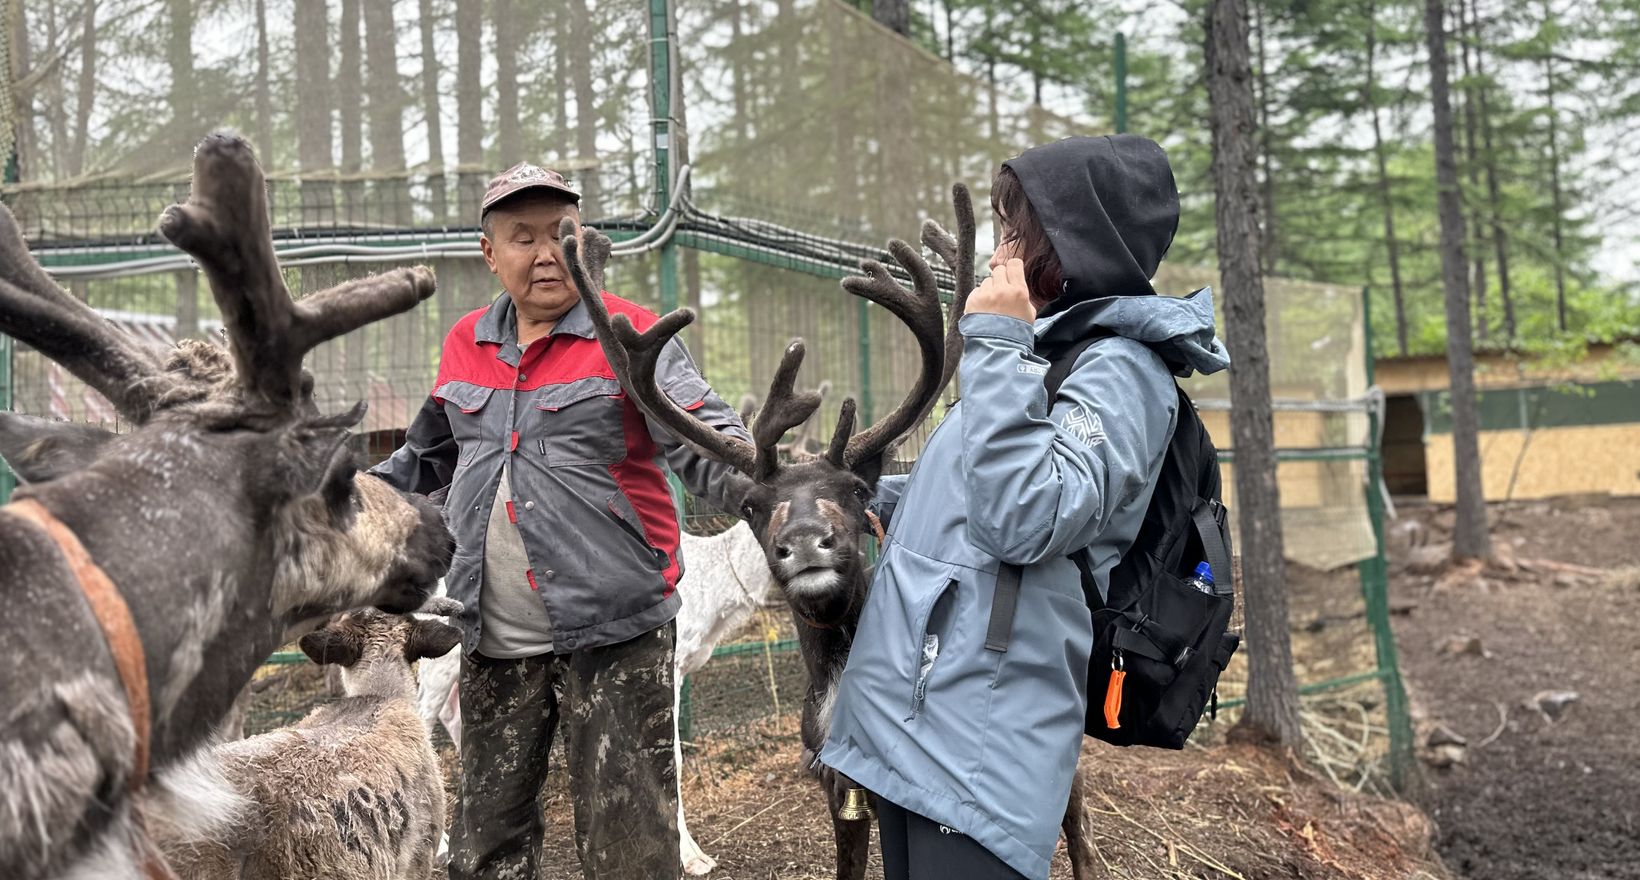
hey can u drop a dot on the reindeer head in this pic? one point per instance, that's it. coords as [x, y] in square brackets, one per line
[807, 511]
[375, 650]
[226, 442]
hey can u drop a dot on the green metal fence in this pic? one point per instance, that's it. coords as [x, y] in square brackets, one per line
[872, 350]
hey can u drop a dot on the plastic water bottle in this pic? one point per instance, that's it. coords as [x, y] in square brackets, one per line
[1202, 579]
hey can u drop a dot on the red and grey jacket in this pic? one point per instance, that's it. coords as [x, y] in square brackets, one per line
[588, 482]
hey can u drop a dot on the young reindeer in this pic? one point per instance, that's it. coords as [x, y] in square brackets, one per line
[144, 588]
[351, 792]
[808, 515]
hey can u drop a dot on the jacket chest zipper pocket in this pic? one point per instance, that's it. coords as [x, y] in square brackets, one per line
[928, 645]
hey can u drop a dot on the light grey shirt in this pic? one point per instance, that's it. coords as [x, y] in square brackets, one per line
[515, 619]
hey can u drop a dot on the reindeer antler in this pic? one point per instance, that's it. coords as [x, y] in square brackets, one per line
[958, 253]
[919, 310]
[224, 226]
[634, 357]
[36, 311]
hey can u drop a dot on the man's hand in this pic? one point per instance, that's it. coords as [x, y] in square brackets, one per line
[1004, 293]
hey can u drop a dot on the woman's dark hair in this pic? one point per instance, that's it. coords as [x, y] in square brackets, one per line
[1043, 275]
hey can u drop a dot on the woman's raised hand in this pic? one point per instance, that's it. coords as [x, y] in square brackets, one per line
[1004, 293]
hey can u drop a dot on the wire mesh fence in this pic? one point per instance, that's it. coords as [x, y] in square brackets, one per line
[793, 185]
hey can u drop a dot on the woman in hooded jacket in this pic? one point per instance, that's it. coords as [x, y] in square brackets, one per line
[970, 750]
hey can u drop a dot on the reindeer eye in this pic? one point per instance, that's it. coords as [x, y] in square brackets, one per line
[746, 510]
[862, 493]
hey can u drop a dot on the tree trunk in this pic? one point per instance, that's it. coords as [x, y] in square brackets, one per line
[469, 108]
[1393, 246]
[1472, 163]
[350, 100]
[25, 143]
[386, 104]
[1268, 207]
[436, 182]
[1494, 198]
[314, 144]
[264, 90]
[893, 14]
[737, 74]
[56, 110]
[950, 31]
[560, 74]
[1554, 173]
[84, 91]
[846, 191]
[1469, 537]
[582, 39]
[1272, 689]
[510, 131]
[180, 54]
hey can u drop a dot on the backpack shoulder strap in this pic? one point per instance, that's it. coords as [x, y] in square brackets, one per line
[1061, 362]
[1001, 625]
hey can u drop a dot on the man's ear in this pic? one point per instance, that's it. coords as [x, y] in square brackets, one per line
[40, 450]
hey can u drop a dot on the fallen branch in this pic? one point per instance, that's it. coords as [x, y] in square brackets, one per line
[1186, 848]
[1503, 721]
[725, 835]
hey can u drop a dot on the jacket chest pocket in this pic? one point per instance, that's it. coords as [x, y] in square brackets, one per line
[467, 406]
[578, 422]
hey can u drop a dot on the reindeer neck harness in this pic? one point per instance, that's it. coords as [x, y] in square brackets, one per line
[113, 616]
[120, 631]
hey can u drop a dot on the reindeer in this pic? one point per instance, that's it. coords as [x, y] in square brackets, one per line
[144, 588]
[809, 513]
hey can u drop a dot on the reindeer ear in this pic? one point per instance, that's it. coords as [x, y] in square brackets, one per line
[430, 638]
[39, 450]
[871, 469]
[330, 645]
[315, 460]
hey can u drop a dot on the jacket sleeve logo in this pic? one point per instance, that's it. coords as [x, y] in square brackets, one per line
[1085, 425]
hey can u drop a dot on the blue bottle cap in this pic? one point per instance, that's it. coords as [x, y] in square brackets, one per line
[1204, 571]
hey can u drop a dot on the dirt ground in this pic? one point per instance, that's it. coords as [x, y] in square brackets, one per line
[1228, 811]
[1528, 797]
[1513, 794]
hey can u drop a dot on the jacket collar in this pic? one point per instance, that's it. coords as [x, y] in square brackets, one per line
[499, 325]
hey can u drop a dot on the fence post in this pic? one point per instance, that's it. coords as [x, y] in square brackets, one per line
[864, 311]
[660, 92]
[1375, 587]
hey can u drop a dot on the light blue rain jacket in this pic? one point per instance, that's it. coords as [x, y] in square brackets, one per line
[980, 741]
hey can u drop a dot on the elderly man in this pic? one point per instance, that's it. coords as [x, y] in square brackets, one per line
[567, 553]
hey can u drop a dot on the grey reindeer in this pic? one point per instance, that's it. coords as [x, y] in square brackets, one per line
[809, 513]
[149, 574]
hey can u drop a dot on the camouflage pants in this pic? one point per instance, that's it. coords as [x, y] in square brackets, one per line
[616, 704]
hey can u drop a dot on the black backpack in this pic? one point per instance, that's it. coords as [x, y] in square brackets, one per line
[1158, 644]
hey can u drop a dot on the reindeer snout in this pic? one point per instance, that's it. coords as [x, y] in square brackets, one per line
[806, 546]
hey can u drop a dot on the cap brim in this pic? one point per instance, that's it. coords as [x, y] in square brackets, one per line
[494, 199]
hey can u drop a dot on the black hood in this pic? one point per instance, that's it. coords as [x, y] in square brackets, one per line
[1110, 208]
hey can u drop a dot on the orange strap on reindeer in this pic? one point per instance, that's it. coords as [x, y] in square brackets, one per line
[113, 616]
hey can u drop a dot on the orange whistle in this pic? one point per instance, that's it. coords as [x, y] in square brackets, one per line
[1113, 699]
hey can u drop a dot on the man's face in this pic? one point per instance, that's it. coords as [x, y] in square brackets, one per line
[522, 249]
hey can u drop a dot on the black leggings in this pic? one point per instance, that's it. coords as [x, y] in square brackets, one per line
[918, 848]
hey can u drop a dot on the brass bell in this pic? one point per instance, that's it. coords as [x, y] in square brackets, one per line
[856, 806]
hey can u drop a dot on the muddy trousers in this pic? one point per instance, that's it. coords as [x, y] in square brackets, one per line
[616, 706]
[918, 848]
